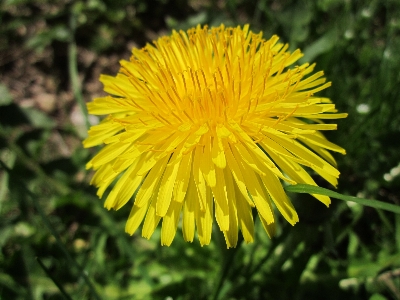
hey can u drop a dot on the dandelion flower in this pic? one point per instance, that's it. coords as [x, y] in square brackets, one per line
[210, 123]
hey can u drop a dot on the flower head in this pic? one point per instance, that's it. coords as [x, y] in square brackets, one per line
[209, 122]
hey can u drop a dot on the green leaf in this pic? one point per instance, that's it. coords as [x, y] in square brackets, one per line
[7, 281]
[5, 97]
[377, 297]
[320, 46]
[310, 189]
[38, 119]
[44, 38]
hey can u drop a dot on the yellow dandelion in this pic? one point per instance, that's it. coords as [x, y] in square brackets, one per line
[208, 123]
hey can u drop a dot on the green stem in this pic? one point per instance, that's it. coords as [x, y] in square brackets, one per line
[230, 255]
[310, 189]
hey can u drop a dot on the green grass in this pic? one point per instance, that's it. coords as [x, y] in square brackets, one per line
[58, 242]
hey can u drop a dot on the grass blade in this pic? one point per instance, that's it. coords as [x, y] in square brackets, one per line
[60, 287]
[310, 189]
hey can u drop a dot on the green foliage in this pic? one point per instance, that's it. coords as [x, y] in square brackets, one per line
[56, 239]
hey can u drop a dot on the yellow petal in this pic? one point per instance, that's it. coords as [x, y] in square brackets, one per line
[321, 142]
[135, 218]
[166, 188]
[188, 222]
[119, 165]
[107, 154]
[102, 172]
[113, 200]
[237, 175]
[149, 185]
[97, 137]
[297, 173]
[126, 193]
[305, 154]
[218, 153]
[152, 219]
[221, 201]
[279, 197]
[198, 176]
[106, 105]
[245, 217]
[125, 137]
[182, 178]
[173, 142]
[150, 162]
[323, 153]
[257, 193]
[222, 131]
[270, 228]
[204, 219]
[170, 223]
[330, 116]
[247, 158]
[231, 235]
[118, 86]
[206, 166]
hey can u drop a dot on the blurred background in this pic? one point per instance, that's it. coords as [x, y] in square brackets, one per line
[58, 242]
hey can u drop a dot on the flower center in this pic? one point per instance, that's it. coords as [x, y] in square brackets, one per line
[209, 76]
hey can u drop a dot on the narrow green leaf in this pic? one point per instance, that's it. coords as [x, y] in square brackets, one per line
[56, 282]
[310, 189]
[53, 231]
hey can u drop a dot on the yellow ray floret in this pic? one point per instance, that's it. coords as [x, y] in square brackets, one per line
[207, 124]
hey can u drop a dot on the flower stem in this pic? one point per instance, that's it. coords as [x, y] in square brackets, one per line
[228, 259]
